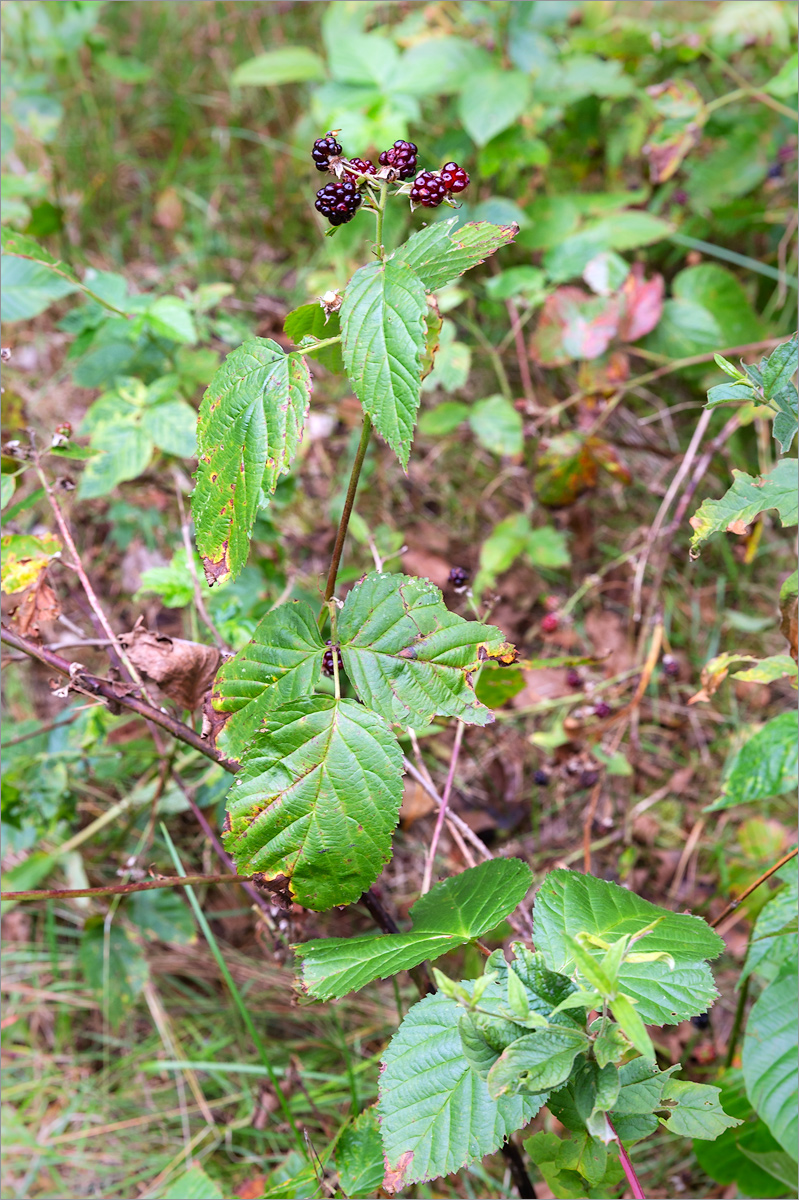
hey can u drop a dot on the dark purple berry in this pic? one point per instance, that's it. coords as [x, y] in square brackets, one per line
[323, 150]
[602, 710]
[459, 577]
[402, 157]
[428, 190]
[338, 201]
[701, 1020]
[679, 196]
[573, 678]
[774, 171]
[327, 661]
[362, 167]
[671, 668]
[454, 177]
[541, 778]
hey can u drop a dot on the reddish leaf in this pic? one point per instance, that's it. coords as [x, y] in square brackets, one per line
[602, 376]
[569, 465]
[643, 304]
[681, 116]
[573, 325]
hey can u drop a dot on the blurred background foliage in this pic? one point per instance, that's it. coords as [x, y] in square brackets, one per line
[647, 152]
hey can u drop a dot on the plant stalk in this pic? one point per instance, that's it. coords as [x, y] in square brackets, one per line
[627, 1167]
[347, 510]
[122, 889]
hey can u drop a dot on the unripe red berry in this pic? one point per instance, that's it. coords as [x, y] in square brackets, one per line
[550, 622]
[454, 178]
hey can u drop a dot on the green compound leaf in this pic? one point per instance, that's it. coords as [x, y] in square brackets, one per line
[537, 1062]
[766, 765]
[769, 1058]
[746, 498]
[280, 664]
[698, 1113]
[780, 367]
[125, 450]
[193, 1184]
[251, 423]
[435, 1112]
[359, 1155]
[568, 903]
[438, 254]
[383, 325]
[455, 911]
[409, 658]
[317, 800]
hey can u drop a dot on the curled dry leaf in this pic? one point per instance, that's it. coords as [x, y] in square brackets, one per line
[642, 304]
[35, 606]
[184, 671]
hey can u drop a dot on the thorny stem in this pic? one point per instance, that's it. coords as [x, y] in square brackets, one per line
[122, 889]
[731, 907]
[83, 577]
[347, 510]
[738, 1021]
[521, 1180]
[627, 1167]
[442, 811]
[93, 685]
[331, 604]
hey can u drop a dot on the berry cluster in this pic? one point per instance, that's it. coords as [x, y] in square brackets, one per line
[324, 149]
[362, 167]
[402, 157]
[459, 577]
[327, 660]
[432, 188]
[338, 201]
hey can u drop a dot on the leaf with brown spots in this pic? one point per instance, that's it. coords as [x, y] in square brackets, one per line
[250, 425]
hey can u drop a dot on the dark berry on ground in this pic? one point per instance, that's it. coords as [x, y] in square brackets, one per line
[701, 1020]
[323, 150]
[454, 177]
[671, 668]
[459, 577]
[573, 678]
[327, 661]
[550, 622]
[362, 167]
[338, 201]
[428, 189]
[541, 778]
[602, 710]
[402, 157]
[774, 171]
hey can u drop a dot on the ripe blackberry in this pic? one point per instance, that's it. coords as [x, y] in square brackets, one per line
[338, 201]
[573, 678]
[701, 1020]
[550, 622]
[454, 177]
[671, 668]
[602, 710]
[402, 157]
[327, 661]
[428, 189]
[323, 150]
[541, 778]
[459, 577]
[362, 167]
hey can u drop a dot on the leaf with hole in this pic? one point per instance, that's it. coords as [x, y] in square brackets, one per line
[698, 1112]
[317, 800]
[251, 422]
[458, 910]
[410, 658]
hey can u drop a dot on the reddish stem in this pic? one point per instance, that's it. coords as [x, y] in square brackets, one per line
[627, 1167]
